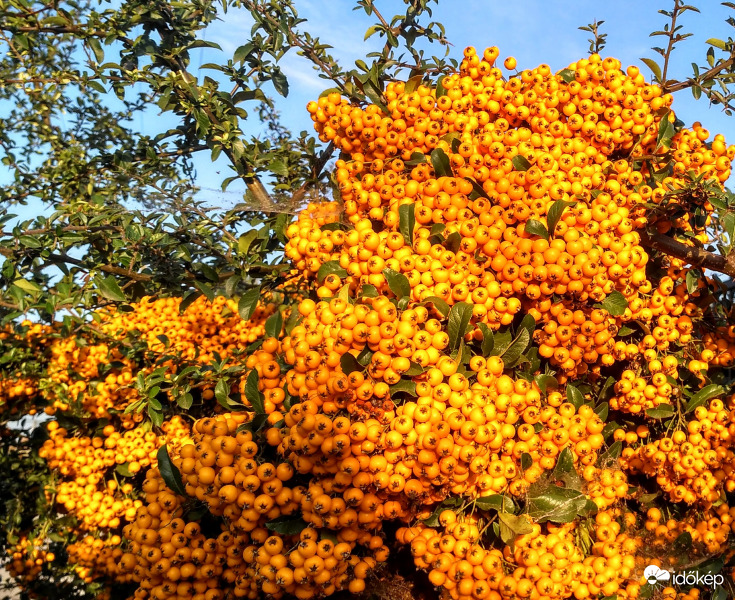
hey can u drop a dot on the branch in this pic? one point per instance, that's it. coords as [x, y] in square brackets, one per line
[714, 71]
[693, 255]
[672, 36]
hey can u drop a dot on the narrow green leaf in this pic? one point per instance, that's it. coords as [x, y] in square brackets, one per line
[515, 350]
[556, 504]
[662, 411]
[440, 162]
[407, 221]
[185, 401]
[708, 392]
[274, 324]
[520, 163]
[169, 472]
[252, 393]
[717, 43]
[555, 213]
[615, 303]
[222, 394]
[567, 75]
[404, 385]
[459, 318]
[653, 65]
[398, 283]
[110, 289]
[534, 227]
[574, 396]
[330, 267]
[488, 340]
[287, 525]
[439, 304]
[349, 364]
[248, 302]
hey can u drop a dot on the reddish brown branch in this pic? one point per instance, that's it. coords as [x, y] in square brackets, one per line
[695, 256]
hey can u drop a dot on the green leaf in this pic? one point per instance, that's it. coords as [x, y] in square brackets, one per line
[369, 291]
[534, 227]
[188, 299]
[365, 356]
[611, 454]
[398, 283]
[206, 290]
[330, 267]
[512, 526]
[477, 190]
[556, 504]
[564, 470]
[109, 288]
[404, 385]
[567, 75]
[287, 525]
[662, 411]
[602, 411]
[27, 286]
[453, 241]
[222, 394]
[274, 324]
[96, 47]
[574, 396]
[526, 461]
[185, 401]
[124, 470]
[414, 369]
[440, 89]
[407, 221]
[625, 331]
[439, 304]
[488, 340]
[246, 240]
[416, 159]
[653, 65]
[615, 303]
[520, 163]
[720, 593]
[515, 350]
[717, 43]
[278, 167]
[349, 364]
[252, 393]
[441, 164]
[29, 241]
[546, 382]
[372, 30]
[666, 132]
[459, 318]
[501, 342]
[248, 302]
[692, 280]
[243, 52]
[555, 213]
[708, 392]
[529, 324]
[495, 502]
[280, 82]
[413, 83]
[607, 389]
[170, 473]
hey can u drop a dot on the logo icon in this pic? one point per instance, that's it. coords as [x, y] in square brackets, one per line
[654, 574]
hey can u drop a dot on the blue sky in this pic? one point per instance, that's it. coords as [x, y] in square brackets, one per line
[534, 31]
